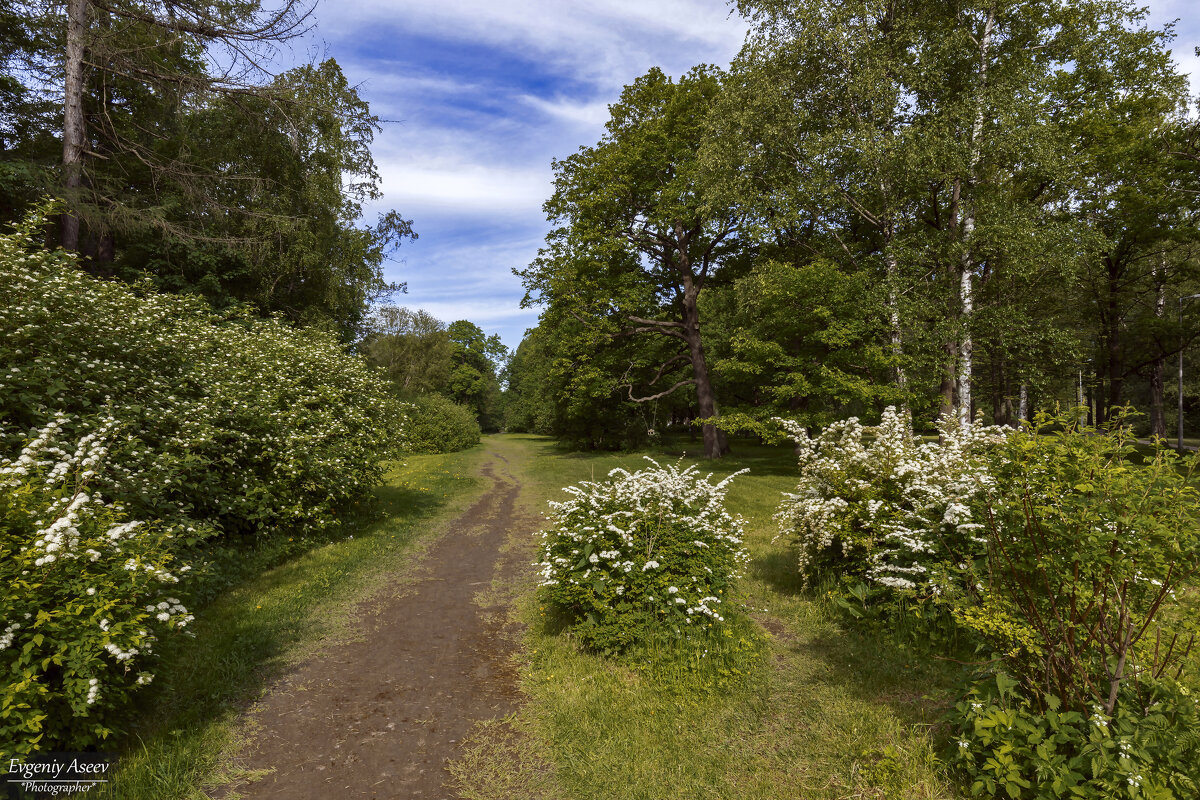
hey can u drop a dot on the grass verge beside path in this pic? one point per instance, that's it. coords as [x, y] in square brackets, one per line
[804, 710]
[275, 616]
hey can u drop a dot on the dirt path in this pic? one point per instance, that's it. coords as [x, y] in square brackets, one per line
[381, 717]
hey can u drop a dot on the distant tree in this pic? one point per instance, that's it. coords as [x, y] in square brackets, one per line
[475, 361]
[639, 235]
[412, 347]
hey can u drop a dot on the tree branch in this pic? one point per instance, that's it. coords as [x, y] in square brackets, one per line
[682, 383]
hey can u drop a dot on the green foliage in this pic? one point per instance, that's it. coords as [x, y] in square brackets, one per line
[804, 340]
[1012, 746]
[1088, 552]
[474, 359]
[411, 347]
[433, 423]
[230, 419]
[84, 597]
[640, 555]
[285, 235]
[528, 400]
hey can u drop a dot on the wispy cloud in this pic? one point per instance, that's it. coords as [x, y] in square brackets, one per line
[461, 186]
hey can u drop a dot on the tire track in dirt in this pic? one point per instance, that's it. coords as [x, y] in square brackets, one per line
[381, 717]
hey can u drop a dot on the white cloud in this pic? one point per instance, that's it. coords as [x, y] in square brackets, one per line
[443, 185]
[592, 115]
[605, 41]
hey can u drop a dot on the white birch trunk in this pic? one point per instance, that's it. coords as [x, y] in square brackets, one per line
[966, 283]
[1023, 404]
[894, 319]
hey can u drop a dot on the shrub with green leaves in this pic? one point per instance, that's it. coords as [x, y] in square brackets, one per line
[1090, 545]
[641, 552]
[1036, 749]
[228, 418]
[434, 423]
[86, 593]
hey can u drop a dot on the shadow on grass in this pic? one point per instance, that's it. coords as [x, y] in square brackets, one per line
[778, 570]
[879, 667]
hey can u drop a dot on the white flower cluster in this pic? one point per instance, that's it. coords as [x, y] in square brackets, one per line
[884, 497]
[9, 632]
[61, 566]
[659, 536]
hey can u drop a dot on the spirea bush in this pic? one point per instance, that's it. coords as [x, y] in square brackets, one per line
[641, 552]
[880, 504]
[225, 418]
[84, 594]
[434, 423]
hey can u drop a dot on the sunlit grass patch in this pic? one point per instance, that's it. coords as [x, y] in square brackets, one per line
[794, 706]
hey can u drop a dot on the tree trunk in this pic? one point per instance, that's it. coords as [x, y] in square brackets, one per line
[894, 319]
[966, 347]
[1158, 418]
[948, 373]
[74, 133]
[1114, 337]
[1023, 409]
[715, 442]
[966, 289]
[1080, 402]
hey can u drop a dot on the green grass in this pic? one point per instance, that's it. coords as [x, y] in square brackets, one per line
[276, 602]
[814, 711]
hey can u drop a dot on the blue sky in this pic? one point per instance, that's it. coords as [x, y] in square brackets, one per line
[482, 94]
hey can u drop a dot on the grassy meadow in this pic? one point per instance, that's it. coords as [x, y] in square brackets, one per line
[789, 705]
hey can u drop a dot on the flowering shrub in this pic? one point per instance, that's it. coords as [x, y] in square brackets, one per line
[1010, 746]
[434, 423]
[233, 419]
[880, 504]
[641, 551]
[85, 593]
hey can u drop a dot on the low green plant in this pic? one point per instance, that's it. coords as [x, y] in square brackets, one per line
[640, 554]
[434, 423]
[1035, 748]
[84, 595]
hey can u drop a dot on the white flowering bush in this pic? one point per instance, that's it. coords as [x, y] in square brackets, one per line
[84, 594]
[228, 419]
[881, 504]
[640, 552]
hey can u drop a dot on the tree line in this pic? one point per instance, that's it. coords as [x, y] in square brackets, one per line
[421, 355]
[956, 206]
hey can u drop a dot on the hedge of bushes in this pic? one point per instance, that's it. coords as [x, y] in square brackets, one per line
[434, 423]
[133, 425]
[226, 419]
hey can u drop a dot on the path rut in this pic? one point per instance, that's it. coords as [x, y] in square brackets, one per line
[381, 717]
